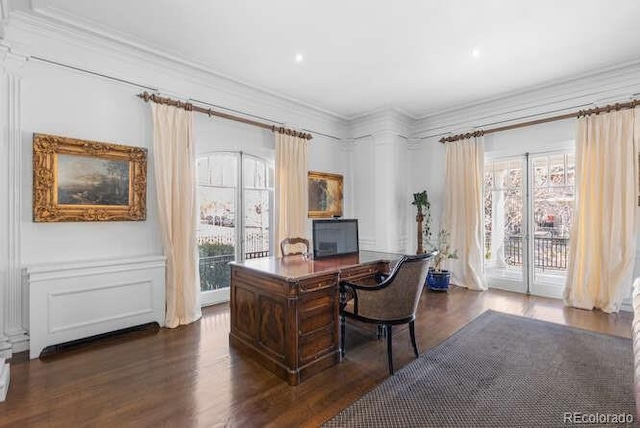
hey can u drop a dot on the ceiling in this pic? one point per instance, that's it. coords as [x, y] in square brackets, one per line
[365, 55]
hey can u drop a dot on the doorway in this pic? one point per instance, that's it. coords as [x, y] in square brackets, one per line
[528, 213]
[235, 221]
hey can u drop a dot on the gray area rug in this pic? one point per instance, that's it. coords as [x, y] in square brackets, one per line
[506, 371]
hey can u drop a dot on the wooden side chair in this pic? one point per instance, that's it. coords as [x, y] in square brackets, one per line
[287, 243]
[392, 301]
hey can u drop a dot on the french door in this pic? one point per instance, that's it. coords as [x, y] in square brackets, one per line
[529, 206]
[235, 199]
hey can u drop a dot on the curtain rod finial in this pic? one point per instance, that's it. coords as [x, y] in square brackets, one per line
[146, 96]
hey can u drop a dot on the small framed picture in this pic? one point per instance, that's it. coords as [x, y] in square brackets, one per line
[325, 195]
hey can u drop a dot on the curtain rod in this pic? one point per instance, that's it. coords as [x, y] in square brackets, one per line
[141, 86]
[210, 112]
[93, 73]
[260, 117]
[579, 113]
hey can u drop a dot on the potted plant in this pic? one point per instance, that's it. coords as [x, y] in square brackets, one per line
[438, 278]
[421, 201]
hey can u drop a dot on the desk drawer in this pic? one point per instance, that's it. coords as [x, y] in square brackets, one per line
[318, 283]
[360, 272]
[317, 312]
[317, 344]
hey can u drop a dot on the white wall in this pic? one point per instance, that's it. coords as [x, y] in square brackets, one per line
[57, 101]
[533, 139]
[365, 194]
[426, 172]
[45, 98]
[379, 164]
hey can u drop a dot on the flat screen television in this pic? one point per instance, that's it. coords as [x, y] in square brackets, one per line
[335, 237]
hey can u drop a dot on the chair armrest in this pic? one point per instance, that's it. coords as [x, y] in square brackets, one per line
[367, 287]
[381, 277]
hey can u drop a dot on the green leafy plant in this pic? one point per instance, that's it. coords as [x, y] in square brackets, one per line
[214, 265]
[443, 246]
[421, 201]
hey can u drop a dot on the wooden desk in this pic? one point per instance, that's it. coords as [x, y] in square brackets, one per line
[284, 311]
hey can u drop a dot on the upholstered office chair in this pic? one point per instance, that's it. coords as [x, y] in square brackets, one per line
[392, 301]
[289, 242]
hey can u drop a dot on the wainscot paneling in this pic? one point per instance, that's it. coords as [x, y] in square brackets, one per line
[70, 301]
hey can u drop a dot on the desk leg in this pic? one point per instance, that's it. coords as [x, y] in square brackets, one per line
[342, 332]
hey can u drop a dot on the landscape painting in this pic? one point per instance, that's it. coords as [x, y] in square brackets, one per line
[325, 195]
[84, 180]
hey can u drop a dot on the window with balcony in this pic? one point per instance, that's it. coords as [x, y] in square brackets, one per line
[529, 205]
[235, 196]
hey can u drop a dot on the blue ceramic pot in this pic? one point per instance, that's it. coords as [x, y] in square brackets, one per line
[438, 281]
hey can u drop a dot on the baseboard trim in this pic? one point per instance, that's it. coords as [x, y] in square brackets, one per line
[143, 329]
[19, 342]
[5, 378]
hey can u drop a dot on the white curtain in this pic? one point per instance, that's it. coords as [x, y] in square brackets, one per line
[603, 235]
[174, 170]
[291, 187]
[464, 210]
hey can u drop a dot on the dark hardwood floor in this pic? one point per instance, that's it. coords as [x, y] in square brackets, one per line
[189, 377]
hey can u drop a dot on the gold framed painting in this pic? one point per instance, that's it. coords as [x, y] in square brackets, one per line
[80, 180]
[325, 195]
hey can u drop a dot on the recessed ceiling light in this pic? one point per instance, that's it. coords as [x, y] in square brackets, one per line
[299, 58]
[475, 53]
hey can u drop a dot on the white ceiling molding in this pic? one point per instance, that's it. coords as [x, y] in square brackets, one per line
[360, 60]
[383, 120]
[613, 85]
[4, 15]
[41, 30]
[43, 9]
[74, 46]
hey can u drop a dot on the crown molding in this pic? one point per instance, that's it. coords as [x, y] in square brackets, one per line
[4, 9]
[550, 84]
[381, 121]
[45, 31]
[51, 38]
[613, 84]
[63, 18]
[10, 60]
[414, 144]
[348, 145]
[4, 15]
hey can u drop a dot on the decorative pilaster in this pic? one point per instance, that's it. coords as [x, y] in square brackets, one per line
[414, 144]
[386, 170]
[348, 147]
[12, 296]
[4, 15]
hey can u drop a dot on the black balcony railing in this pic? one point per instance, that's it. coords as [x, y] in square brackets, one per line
[548, 253]
[215, 272]
[256, 254]
[217, 250]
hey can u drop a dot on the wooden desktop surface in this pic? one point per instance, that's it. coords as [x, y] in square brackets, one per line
[298, 267]
[285, 311]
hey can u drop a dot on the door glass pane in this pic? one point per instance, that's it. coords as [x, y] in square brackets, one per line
[503, 219]
[553, 207]
[216, 232]
[256, 233]
[257, 208]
